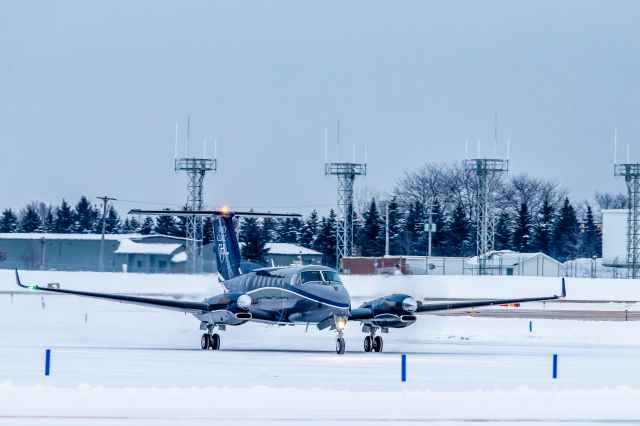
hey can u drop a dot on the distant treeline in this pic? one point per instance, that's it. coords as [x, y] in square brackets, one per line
[532, 214]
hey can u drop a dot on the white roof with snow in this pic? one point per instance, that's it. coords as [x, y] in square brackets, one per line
[507, 257]
[131, 247]
[179, 257]
[39, 235]
[288, 248]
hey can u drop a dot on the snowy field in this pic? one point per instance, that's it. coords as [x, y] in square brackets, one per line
[122, 364]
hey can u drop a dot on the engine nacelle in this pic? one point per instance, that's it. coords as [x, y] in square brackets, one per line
[228, 309]
[235, 302]
[392, 311]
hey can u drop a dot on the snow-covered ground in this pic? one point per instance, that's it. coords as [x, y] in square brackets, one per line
[125, 364]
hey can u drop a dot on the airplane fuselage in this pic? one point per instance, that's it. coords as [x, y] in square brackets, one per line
[297, 294]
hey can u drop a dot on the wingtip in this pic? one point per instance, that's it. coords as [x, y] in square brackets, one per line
[18, 278]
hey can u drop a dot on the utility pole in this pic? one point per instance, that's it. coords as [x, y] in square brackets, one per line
[105, 201]
[386, 230]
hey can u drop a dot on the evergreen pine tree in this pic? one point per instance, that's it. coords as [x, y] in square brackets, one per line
[591, 240]
[30, 220]
[287, 230]
[48, 220]
[543, 229]
[503, 232]
[166, 225]
[125, 228]
[369, 241]
[147, 225]
[64, 219]
[252, 237]
[565, 234]
[269, 229]
[112, 223]
[9, 221]
[522, 232]
[458, 232]
[84, 216]
[413, 229]
[309, 230]
[181, 223]
[325, 243]
[207, 231]
[135, 226]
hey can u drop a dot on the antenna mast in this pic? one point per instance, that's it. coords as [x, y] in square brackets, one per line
[346, 173]
[196, 169]
[487, 171]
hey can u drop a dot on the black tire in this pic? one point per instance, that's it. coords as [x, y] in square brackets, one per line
[368, 344]
[215, 341]
[377, 344]
[340, 346]
[205, 341]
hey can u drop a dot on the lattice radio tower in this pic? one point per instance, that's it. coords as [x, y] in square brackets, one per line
[346, 173]
[631, 173]
[196, 169]
[486, 170]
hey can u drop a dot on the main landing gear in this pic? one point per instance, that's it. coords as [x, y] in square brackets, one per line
[210, 340]
[373, 343]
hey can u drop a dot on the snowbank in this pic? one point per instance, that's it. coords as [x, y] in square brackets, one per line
[288, 404]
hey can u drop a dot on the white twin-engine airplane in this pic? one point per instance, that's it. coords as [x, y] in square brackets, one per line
[287, 295]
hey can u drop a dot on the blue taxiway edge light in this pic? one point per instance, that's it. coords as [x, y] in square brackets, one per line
[404, 368]
[47, 362]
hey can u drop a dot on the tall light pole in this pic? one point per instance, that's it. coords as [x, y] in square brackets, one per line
[430, 230]
[105, 201]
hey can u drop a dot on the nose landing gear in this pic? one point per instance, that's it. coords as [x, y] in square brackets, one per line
[339, 325]
[340, 346]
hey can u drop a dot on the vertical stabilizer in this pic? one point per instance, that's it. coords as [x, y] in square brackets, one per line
[226, 247]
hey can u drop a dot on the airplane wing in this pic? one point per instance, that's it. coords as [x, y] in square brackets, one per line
[434, 307]
[366, 313]
[176, 305]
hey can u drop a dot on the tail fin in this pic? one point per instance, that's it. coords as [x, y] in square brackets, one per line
[226, 247]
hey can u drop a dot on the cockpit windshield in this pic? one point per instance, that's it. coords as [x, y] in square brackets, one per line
[331, 276]
[308, 276]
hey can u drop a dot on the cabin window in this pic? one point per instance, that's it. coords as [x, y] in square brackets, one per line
[310, 276]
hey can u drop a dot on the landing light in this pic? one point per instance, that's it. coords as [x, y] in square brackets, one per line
[341, 323]
[225, 210]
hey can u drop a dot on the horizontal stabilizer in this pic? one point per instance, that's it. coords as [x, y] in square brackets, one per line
[211, 213]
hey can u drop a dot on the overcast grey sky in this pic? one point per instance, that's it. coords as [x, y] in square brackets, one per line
[90, 93]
